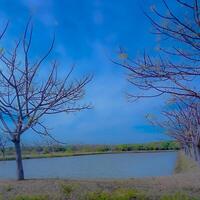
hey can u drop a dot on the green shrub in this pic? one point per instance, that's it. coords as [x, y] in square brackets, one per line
[67, 189]
[120, 194]
[46, 150]
[59, 148]
[127, 194]
[97, 196]
[103, 149]
[8, 188]
[177, 196]
[165, 145]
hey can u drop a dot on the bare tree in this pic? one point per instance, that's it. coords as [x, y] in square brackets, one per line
[26, 97]
[173, 70]
[175, 67]
[183, 123]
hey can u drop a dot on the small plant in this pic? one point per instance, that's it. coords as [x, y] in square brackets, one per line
[97, 196]
[8, 188]
[185, 164]
[128, 194]
[120, 194]
[67, 189]
[177, 196]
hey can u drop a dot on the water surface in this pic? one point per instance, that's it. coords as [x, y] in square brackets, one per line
[104, 166]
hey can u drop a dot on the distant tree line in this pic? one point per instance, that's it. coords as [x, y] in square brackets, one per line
[28, 150]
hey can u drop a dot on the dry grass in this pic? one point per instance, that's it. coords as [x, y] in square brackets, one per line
[189, 183]
[185, 164]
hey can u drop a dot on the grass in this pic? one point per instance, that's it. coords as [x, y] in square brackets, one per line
[31, 197]
[185, 164]
[67, 189]
[8, 188]
[98, 190]
[120, 194]
[132, 194]
[177, 196]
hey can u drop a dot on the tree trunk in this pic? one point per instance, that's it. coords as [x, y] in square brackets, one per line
[3, 153]
[187, 150]
[195, 152]
[20, 171]
[198, 152]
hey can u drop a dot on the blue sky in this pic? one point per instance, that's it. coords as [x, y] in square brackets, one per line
[88, 33]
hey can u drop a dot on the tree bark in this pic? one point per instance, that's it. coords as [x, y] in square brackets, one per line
[3, 153]
[20, 170]
[198, 152]
[195, 153]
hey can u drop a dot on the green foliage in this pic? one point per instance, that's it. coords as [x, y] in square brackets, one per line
[177, 196]
[120, 194]
[67, 189]
[166, 145]
[46, 150]
[8, 188]
[31, 197]
[130, 194]
[103, 149]
[97, 196]
[60, 150]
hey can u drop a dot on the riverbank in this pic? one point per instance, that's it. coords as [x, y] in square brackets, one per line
[185, 165]
[79, 150]
[66, 154]
[183, 185]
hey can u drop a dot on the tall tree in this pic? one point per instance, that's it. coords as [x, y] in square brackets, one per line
[26, 97]
[182, 122]
[175, 67]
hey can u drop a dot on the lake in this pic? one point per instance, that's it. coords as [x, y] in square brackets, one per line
[104, 166]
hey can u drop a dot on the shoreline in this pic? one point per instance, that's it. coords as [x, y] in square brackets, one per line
[57, 155]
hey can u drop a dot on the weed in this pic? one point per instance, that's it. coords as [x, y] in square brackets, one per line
[120, 194]
[177, 196]
[67, 189]
[8, 188]
[31, 197]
